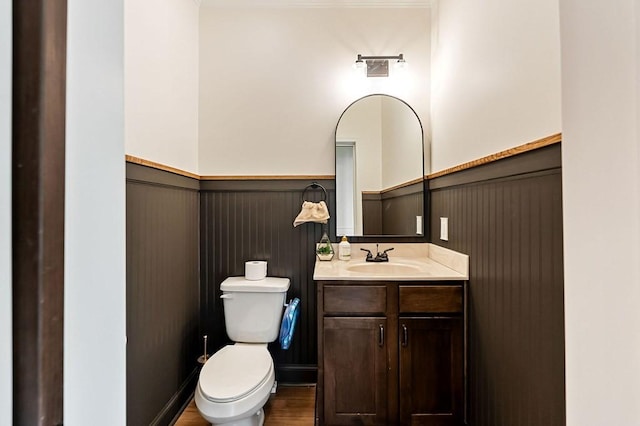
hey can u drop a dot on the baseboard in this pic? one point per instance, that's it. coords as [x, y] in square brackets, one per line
[290, 374]
[171, 411]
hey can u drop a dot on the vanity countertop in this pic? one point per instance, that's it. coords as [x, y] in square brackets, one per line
[407, 262]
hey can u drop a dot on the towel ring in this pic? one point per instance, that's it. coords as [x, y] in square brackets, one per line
[315, 185]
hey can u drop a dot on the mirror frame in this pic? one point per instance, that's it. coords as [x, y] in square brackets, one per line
[426, 214]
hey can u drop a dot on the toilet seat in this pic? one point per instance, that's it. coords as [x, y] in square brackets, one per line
[235, 371]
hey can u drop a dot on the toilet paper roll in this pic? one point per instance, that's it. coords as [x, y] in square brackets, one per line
[255, 270]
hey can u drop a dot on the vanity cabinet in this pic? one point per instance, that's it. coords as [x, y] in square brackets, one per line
[355, 390]
[355, 353]
[431, 371]
[391, 353]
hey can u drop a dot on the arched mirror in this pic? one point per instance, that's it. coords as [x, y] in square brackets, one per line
[379, 169]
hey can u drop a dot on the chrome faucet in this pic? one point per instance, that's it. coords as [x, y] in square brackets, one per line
[380, 257]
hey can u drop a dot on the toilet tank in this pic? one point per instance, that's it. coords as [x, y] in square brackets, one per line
[253, 309]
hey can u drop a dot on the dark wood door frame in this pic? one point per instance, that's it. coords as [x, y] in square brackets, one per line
[38, 175]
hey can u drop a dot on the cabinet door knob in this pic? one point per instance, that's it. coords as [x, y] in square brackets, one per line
[405, 335]
[381, 337]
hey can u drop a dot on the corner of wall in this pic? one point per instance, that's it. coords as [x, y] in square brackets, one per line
[6, 361]
[95, 293]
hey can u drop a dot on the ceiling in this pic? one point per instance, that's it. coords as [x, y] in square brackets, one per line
[320, 3]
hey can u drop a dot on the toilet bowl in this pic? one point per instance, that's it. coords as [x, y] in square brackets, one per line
[236, 382]
[234, 385]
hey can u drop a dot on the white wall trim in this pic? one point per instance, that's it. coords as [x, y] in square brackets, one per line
[95, 269]
[6, 360]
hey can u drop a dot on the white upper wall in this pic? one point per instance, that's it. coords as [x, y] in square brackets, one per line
[95, 291]
[161, 81]
[601, 206]
[496, 77]
[6, 366]
[274, 81]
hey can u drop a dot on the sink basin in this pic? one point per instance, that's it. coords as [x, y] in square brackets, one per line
[384, 268]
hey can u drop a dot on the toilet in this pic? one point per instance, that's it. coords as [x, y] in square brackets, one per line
[236, 382]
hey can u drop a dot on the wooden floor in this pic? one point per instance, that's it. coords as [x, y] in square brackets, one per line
[289, 406]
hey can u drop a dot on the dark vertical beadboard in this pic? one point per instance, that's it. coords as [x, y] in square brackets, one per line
[393, 212]
[162, 295]
[372, 214]
[400, 208]
[245, 223]
[512, 229]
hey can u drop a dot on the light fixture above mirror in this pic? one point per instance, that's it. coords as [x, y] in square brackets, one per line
[378, 66]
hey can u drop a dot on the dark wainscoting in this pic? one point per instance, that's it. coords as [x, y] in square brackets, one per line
[393, 212]
[400, 208]
[163, 293]
[372, 213]
[507, 216]
[253, 220]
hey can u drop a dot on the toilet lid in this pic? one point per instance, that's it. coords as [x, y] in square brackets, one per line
[235, 371]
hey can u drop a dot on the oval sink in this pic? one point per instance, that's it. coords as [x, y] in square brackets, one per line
[384, 268]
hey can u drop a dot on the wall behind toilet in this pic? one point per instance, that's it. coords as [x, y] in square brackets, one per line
[274, 81]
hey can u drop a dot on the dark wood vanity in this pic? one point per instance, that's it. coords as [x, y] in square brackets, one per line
[391, 352]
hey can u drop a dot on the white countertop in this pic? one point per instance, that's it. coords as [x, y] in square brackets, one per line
[407, 262]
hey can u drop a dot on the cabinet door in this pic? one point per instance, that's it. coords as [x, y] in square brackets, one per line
[355, 371]
[431, 371]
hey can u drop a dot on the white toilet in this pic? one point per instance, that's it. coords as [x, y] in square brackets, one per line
[236, 381]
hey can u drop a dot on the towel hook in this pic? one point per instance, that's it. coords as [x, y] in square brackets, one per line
[315, 185]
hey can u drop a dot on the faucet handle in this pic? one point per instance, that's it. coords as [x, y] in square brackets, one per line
[384, 255]
[369, 255]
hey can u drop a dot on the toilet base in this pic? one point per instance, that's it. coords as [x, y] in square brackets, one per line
[256, 420]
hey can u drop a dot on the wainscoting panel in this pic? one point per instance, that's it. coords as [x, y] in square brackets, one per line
[162, 293]
[511, 226]
[393, 212]
[253, 220]
[400, 208]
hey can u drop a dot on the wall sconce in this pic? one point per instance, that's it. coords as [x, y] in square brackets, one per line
[378, 66]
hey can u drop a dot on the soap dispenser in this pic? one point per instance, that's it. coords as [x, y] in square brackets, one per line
[344, 249]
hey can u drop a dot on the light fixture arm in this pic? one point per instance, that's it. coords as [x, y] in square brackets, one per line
[399, 57]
